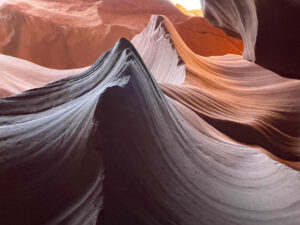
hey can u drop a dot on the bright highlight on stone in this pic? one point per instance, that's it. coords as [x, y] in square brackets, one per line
[188, 4]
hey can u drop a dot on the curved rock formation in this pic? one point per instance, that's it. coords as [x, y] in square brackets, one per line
[72, 34]
[270, 32]
[206, 40]
[152, 133]
[249, 104]
[171, 172]
[151, 43]
[159, 54]
[18, 75]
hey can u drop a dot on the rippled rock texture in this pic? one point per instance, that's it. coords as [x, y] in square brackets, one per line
[270, 31]
[151, 133]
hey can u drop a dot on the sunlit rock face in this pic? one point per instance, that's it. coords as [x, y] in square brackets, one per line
[270, 32]
[194, 12]
[190, 8]
[72, 34]
[150, 133]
